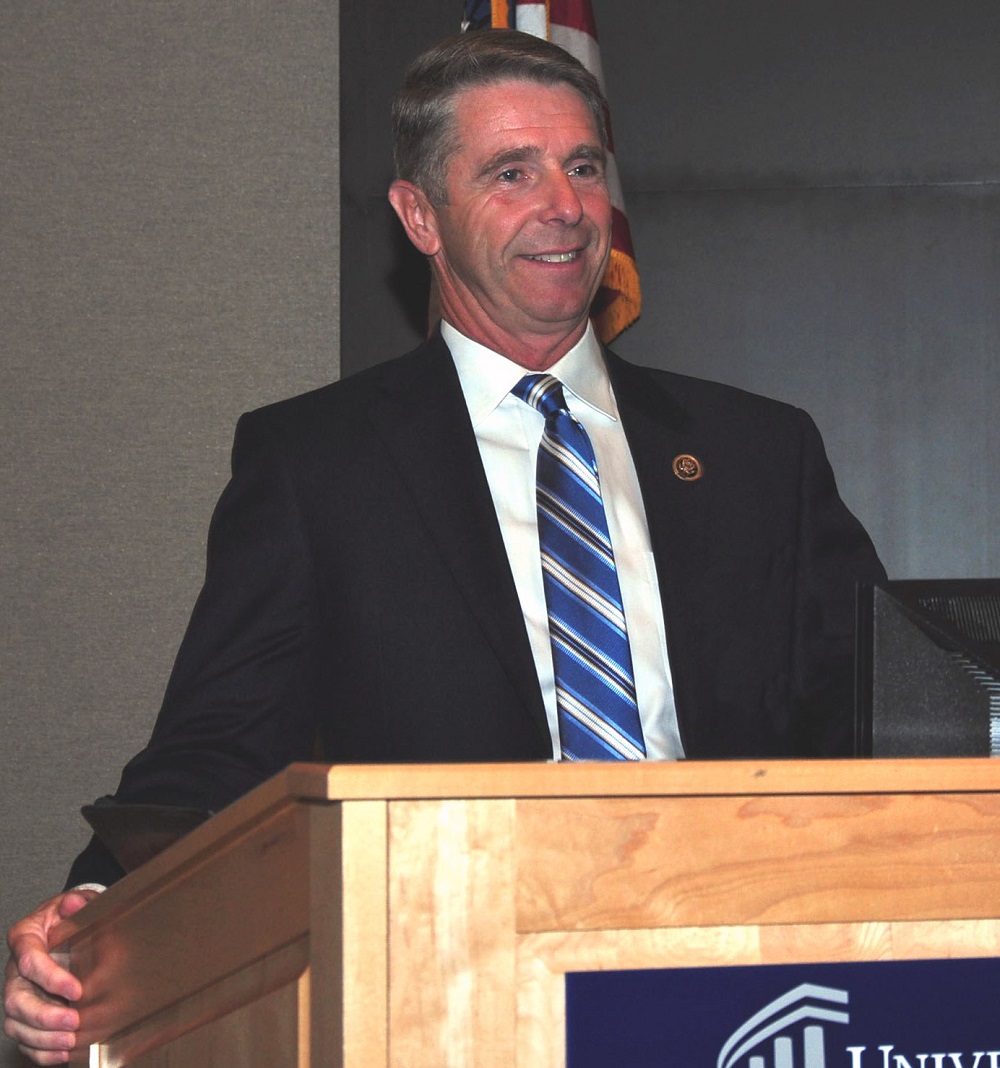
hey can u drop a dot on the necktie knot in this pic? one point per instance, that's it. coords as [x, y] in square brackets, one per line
[541, 391]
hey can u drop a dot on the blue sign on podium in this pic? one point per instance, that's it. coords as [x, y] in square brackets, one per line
[879, 1014]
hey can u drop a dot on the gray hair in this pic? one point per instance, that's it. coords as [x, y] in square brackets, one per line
[423, 109]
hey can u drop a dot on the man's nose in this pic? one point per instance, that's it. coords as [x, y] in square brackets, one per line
[560, 199]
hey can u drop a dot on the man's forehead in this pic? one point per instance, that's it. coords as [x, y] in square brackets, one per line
[526, 98]
[522, 103]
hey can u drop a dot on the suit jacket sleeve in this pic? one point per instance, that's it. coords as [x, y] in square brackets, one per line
[240, 703]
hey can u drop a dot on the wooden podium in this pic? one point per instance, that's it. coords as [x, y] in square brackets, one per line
[426, 915]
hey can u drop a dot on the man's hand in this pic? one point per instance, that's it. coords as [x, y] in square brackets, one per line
[37, 989]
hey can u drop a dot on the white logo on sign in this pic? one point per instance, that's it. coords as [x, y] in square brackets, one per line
[801, 1011]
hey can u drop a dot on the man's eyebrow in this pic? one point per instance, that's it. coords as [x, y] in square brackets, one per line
[517, 154]
[588, 151]
[524, 153]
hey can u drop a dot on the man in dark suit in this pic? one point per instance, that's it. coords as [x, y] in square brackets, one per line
[373, 574]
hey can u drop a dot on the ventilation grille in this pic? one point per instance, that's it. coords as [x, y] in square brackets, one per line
[992, 687]
[975, 615]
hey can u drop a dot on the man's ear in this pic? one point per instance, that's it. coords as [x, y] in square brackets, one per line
[416, 214]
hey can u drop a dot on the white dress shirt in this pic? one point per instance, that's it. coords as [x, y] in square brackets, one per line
[508, 432]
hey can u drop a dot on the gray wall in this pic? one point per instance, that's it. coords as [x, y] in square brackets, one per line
[168, 258]
[814, 192]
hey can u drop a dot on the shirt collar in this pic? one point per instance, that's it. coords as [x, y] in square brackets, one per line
[487, 377]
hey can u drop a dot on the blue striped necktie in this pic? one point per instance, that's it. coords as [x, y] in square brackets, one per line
[595, 689]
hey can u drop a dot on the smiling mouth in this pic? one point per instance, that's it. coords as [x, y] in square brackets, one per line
[555, 257]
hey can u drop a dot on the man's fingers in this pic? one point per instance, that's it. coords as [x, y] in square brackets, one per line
[29, 946]
[43, 1047]
[43, 1056]
[25, 1004]
[36, 990]
[73, 901]
[43, 1029]
[32, 962]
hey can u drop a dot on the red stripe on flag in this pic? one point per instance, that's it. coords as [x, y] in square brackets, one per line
[576, 14]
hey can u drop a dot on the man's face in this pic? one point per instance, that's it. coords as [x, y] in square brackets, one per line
[521, 245]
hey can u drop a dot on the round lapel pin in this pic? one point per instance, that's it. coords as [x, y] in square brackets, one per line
[688, 468]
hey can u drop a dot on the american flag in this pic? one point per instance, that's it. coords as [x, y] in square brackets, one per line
[570, 24]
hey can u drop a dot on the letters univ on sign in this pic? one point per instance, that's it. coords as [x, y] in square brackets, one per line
[884, 1014]
[887, 1057]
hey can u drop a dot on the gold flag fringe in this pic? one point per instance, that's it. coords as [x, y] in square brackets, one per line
[621, 278]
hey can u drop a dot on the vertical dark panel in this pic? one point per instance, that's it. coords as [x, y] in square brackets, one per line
[385, 280]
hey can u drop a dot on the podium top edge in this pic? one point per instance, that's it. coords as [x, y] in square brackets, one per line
[320, 784]
[388, 782]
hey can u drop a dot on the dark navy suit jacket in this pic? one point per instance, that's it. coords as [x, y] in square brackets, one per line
[357, 588]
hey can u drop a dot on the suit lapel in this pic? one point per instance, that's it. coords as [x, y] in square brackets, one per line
[678, 513]
[424, 423]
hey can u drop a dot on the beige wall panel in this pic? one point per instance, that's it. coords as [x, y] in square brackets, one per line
[169, 226]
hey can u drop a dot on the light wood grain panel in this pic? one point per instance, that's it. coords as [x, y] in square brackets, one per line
[650, 778]
[149, 952]
[438, 930]
[958, 938]
[452, 957]
[701, 947]
[649, 862]
[361, 930]
[265, 1033]
[224, 831]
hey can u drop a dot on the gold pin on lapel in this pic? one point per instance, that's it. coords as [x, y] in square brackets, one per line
[688, 468]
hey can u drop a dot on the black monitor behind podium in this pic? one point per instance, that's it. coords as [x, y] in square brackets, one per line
[928, 668]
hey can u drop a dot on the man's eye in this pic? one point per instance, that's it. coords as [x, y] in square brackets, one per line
[585, 170]
[509, 175]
